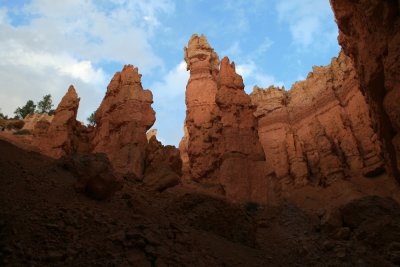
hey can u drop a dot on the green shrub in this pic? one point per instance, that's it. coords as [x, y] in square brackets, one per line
[22, 132]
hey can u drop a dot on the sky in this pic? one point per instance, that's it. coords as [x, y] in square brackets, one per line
[46, 45]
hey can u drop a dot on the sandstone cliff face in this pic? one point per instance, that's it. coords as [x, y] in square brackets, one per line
[369, 32]
[222, 142]
[320, 131]
[31, 120]
[122, 120]
[63, 135]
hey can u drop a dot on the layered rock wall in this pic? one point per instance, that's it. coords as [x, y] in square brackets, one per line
[320, 131]
[222, 142]
[369, 32]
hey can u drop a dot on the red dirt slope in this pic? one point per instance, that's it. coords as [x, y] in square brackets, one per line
[45, 222]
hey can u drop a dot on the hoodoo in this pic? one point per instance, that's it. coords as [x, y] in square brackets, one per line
[122, 121]
[60, 136]
[223, 147]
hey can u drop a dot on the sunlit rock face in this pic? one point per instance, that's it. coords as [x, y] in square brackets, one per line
[222, 145]
[31, 120]
[64, 135]
[320, 131]
[369, 32]
[122, 121]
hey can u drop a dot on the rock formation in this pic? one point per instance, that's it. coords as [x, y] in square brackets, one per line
[183, 149]
[95, 176]
[163, 168]
[32, 119]
[223, 147]
[369, 32]
[319, 131]
[122, 120]
[11, 124]
[63, 135]
[151, 133]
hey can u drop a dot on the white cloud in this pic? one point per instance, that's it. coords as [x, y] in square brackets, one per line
[14, 53]
[252, 75]
[64, 42]
[264, 46]
[246, 69]
[308, 21]
[173, 83]
[120, 33]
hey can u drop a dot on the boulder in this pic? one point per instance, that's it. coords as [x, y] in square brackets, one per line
[95, 176]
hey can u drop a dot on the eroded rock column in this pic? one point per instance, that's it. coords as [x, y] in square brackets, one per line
[222, 143]
[61, 136]
[123, 119]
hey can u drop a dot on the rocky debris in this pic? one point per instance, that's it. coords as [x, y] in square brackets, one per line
[222, 142]
[94, 173]
[163, 166]
[369, 33]
[31, 120]
[370, 225]
[320, 131]
[64, 135]
[216, 216]
[122, 121]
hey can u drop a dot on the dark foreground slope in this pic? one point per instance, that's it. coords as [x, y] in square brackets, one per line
[44, 222]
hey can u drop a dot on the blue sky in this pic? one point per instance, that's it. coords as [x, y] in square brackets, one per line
[46, 45]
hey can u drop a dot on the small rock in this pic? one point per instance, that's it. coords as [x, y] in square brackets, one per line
[138, 258]
[55, 256]
[342, 233]
[340, 252]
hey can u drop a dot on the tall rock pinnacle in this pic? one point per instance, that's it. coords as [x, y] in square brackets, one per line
[122, 120]
[222, 147]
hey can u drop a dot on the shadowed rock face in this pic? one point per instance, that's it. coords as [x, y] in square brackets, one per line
[369, 32]
[163, 166]
[122, 120]
[222, 142]
[64, 135]
[320, 131]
